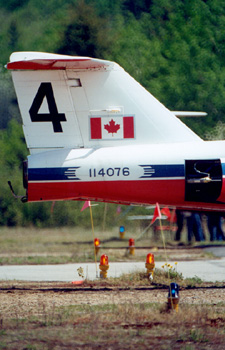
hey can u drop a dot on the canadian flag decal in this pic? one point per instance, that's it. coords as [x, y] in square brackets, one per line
[112, 127]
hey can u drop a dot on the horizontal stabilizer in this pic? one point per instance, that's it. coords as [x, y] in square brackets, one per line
[189, 114]
[46, 61]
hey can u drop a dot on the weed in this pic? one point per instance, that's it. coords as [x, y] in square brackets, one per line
[80, 271]
[30, 347]
[188, 347]
[168, 274]
[197, 336]
[171, 271]
[191, 282]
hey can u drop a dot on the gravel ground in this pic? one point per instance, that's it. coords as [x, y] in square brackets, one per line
[30, 300]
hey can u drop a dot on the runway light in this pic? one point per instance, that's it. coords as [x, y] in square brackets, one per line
[150, 265]
[150, 259]
[122, 232]
[104, 265]
[131, 246]
[173, 296]
[104, 260]
[97, 245]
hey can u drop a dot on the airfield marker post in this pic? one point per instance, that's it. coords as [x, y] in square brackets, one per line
[122, 232]
[173, 296]
[131, 246]
[104, 266]
[97, 245]
[150, 265]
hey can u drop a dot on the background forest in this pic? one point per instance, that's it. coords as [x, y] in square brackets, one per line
[174, 48]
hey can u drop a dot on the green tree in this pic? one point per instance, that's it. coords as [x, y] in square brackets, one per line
[13, 5]
[8, 103]
[87, 34]
[12, 152]
[137, 7]
[175, 49]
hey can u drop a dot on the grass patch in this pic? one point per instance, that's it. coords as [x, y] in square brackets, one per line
[161, 280]
[44, 260]
[140, 279]
[70, 245]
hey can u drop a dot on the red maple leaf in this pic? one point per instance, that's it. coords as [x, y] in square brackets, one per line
[112, 127]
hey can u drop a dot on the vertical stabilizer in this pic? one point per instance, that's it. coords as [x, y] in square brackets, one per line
[75, 102]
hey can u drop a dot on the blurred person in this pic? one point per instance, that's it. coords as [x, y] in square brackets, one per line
[180, 224]
[215, 226]
[194, 226]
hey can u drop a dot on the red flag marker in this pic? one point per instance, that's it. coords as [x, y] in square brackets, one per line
[157, 214]
[86, 205]
[173, 218]
[166, 212]
[118, 210]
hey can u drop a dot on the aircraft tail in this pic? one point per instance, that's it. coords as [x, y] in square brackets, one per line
[76, 102]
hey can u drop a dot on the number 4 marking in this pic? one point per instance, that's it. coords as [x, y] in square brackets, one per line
[45, 90]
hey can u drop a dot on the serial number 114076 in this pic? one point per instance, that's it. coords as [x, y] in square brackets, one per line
[109, 172]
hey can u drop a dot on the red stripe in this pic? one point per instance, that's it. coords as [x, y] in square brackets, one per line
[139, 191]
[46, 64]
[128, 127]
[96, 129]
[165, 192]
[222, 194]
[23, 65]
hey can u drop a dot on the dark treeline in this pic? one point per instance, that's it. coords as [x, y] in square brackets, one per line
[174, 48]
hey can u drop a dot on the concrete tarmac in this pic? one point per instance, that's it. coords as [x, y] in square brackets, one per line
[206, 270]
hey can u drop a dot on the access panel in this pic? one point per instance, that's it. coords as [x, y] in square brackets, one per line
[203, 180]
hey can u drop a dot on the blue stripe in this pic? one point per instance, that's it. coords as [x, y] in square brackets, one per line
[223, 168]
[70, 174]
[167, 170]
[52, 174]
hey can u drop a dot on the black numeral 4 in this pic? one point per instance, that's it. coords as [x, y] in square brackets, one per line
[45, 90]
